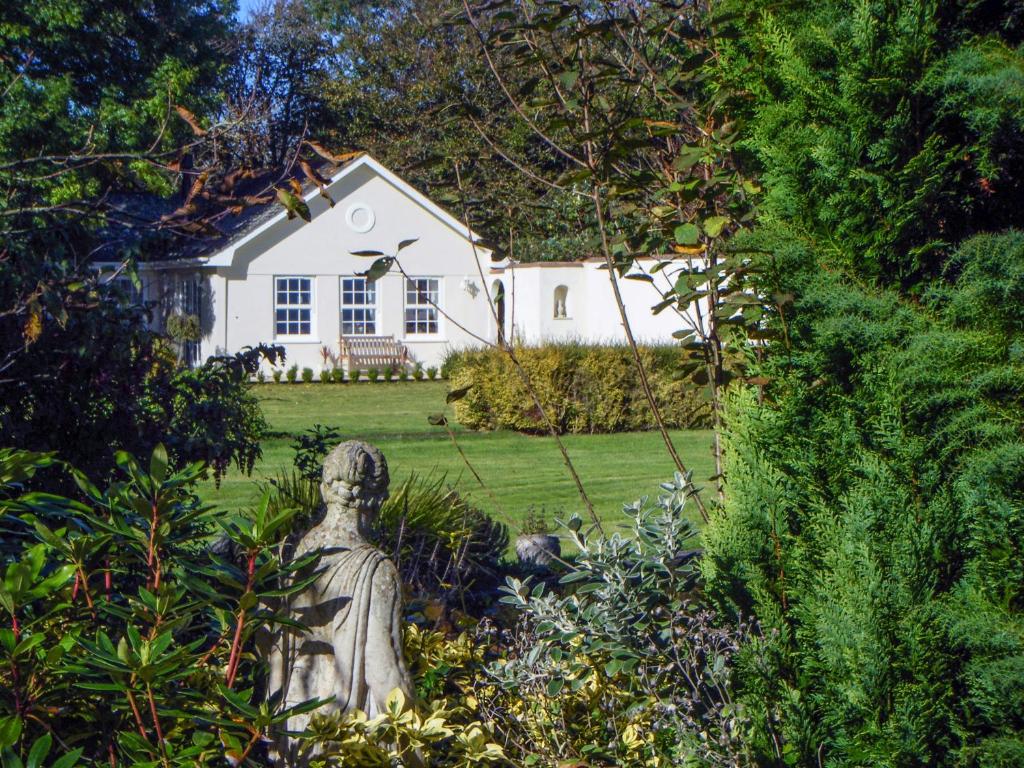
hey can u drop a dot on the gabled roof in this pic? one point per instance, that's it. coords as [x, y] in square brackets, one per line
[275, 213]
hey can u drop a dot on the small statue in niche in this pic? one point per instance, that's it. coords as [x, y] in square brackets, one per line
[352, 651]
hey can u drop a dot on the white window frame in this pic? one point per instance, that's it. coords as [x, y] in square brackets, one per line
[310, 306]
[110, 273]
[418, 307]
[371, 307]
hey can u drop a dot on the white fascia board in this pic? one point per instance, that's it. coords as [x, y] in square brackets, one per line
[224, 258]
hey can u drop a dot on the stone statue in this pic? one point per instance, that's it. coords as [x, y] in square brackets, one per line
[352, 651]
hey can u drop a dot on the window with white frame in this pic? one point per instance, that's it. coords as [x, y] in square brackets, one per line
[112, 275]
[422, 297]
[358, 306]
[293, 306]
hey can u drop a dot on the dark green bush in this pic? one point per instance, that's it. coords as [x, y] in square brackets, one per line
[127, 636]
[585, 389]
[338, 375]
[417, 372]
[325, 377]
[451, 360]
[293, 374]
[307, 375]
[276, 373]
[431, 373]
[373, 374]
[873, 521]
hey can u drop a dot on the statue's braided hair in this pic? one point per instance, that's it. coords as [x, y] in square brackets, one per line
[356, 463]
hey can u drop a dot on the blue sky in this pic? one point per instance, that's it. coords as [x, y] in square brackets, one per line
[244, 6]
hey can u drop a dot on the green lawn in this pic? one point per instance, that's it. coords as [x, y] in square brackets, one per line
[519, 470]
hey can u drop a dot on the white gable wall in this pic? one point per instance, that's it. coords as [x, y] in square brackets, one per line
[243, 293]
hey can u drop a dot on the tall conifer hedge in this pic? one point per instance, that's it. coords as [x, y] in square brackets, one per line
[874, 520]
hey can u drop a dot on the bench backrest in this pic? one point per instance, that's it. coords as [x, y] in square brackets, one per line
[372, 352]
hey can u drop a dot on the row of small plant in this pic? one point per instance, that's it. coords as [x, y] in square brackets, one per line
[338, 376]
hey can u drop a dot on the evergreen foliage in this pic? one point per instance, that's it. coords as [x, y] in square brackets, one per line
[874, 486]
[885, 131]
[874, 522]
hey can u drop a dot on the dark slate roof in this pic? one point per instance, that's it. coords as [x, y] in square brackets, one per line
[146, 226]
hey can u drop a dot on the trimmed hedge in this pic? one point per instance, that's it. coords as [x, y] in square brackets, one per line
[585, 389]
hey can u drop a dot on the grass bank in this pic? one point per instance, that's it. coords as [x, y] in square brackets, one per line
[520, 471]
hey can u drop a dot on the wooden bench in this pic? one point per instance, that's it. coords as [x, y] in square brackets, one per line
[360, 353]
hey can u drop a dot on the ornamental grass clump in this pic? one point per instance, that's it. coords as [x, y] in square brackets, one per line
[443, 545]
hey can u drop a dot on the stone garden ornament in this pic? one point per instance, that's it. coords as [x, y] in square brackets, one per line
[351, 652]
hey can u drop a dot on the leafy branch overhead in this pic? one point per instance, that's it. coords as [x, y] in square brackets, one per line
[382, 265]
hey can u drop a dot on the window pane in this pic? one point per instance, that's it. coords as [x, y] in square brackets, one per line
[421, 299]
[358, 297]
[293, 306]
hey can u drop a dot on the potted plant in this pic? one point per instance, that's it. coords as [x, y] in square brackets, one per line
[536, 546]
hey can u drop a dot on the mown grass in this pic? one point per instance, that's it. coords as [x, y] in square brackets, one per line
[520, 472]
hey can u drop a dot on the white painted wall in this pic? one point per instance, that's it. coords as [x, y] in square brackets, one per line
[242, 295]
[592, 314]
[238, 283]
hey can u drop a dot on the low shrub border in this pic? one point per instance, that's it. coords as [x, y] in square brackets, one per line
[586, 388]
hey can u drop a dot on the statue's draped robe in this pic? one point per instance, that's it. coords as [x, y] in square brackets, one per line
[352, 652]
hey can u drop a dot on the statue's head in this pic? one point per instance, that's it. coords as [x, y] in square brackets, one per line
[356, 477]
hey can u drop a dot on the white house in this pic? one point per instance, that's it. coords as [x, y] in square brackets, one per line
[285, 281]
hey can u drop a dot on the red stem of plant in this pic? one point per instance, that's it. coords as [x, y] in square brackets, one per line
[80, 578]
[236, 649]
[138, 715]
[236, 643]
[156, 718]
[15, 683]
[249, 746]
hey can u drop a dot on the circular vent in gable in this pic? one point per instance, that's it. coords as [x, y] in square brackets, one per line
[360, 217]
